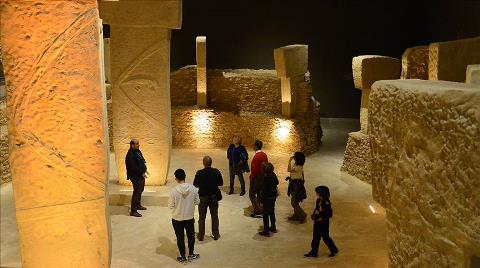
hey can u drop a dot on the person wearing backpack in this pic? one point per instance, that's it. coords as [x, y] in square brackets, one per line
[321, 223]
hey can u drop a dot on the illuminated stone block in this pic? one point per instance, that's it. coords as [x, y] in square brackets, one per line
[106, 60]
[448, 61]
[57, 131]
[140, 69]
[366, 70]
[291, 60]
[201, 45]
[357, 159]
[166, 14]
[415, 63]
[425, 140]
[473, 74]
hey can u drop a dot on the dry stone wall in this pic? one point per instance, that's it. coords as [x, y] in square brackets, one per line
[425, 142]
[5, 175]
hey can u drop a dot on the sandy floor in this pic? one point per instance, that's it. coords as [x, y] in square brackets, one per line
[150, 242]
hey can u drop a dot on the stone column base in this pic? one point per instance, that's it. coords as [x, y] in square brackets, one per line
[357, 159]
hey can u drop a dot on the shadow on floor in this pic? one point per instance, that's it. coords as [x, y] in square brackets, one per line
[147, 200]
[167, 248]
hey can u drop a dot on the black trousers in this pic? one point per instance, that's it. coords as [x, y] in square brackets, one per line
[210, 202]
[232, 171]
[189, 227]
[138, 186]
[321, 231]
[269, 214]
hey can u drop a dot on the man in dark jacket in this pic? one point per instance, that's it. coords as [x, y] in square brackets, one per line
[136, 173]
[207, 181]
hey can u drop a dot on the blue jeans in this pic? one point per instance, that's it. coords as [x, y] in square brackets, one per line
[232, 179]
[269, 215]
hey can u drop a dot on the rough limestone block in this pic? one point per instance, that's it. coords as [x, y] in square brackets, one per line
[425, 142]
[473, 74]
[57, 133]
[448, 61]
[147, 13]
[415, 63]
[201, 48]
[368, 69]
[291, 60]
[357, 159]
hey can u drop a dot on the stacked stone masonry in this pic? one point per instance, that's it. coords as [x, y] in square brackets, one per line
[244, 102]
[425, 142]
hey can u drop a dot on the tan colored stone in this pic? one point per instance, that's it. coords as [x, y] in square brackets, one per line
[357, 159]
[415, 63]
[106, 60]
[448, 61]
[473, 74]
[425, 141]
[201, 48]
[364, 110]
[57, 135]
[147, 13]
[368, 69]
[291, 60]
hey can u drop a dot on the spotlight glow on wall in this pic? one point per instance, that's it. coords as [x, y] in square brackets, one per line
[202, 122]
[372, 209]
[283, 129]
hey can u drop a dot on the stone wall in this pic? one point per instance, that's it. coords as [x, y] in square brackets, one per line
[241, 90]
[244, 102]
[425, 142]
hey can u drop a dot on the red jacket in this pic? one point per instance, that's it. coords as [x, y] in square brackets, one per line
[256, 165]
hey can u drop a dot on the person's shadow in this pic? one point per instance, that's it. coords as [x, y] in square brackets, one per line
[167, 248]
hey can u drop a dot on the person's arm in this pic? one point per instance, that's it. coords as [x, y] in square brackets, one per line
[254, 170]
[290, 166]
[275, 180]
[229, 152]
[171, 201]
[220, 179]
[196, 180]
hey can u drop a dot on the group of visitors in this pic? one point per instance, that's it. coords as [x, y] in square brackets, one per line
[205, 193]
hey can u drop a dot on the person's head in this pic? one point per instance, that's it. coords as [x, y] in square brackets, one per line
[180, 175]
[207, 161]
[267, 168]
[237, 140]
[258, 145]
[323, 192]
[134, 144]
[299, 158]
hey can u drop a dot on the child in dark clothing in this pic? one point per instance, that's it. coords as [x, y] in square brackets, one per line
[268, 196]
[321, 221]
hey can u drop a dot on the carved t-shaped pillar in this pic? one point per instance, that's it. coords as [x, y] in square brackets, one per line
[140, 70]
[290, 61]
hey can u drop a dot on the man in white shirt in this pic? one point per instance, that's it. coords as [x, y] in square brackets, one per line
[183, 199]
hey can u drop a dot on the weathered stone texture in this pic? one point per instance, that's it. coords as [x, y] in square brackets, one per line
[291, 60]
[56, 133]
[415, 63]
[448, 61]
[473, 74]
[358, 158]
[425, 142]
[141, 97]
[183, 86]
[201, 48]
[5, 175]
[368, 69]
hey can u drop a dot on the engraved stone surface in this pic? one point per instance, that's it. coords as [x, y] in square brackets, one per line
[57, 131]
[425, 141]
[141, 97]
[415, 63]
[368, 69]
[448, 61]
[473, 74]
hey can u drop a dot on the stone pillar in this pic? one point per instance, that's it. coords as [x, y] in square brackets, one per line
[448, 61]
[290, 62]
[106, 60]
[366, 70]
[473, 74]
[57, 132]
[201, 45]
[140, 69]
[415, 63]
